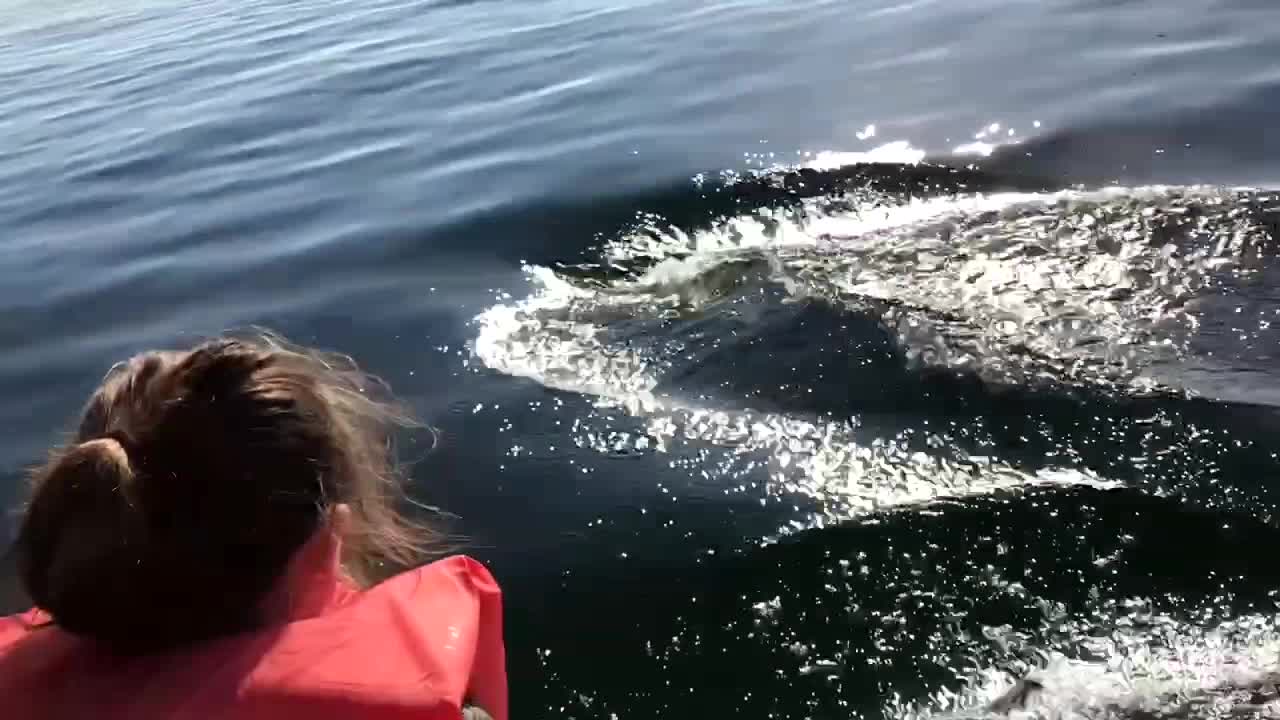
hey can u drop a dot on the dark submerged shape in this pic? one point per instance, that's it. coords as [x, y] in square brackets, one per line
[194, 478]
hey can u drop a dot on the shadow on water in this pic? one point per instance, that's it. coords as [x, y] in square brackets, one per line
[566, 234]
[809, 359]
[12, 597]
[1231, 144]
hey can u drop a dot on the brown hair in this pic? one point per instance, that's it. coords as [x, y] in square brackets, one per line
[194, 478]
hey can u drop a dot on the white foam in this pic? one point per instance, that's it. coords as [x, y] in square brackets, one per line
[978, 147]
[1013, 286]
[1114, 667]
[898, 152]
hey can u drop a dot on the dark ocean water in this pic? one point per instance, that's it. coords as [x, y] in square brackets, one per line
[747, 426]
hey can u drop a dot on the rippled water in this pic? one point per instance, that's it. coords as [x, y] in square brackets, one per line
[967, 366]
[790, 359]
[1074, 292]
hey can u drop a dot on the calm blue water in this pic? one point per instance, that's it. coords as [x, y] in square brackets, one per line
[824, 444]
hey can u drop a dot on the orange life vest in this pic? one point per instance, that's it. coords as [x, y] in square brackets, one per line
[420, 646]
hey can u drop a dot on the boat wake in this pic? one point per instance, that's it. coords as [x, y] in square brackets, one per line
[709, 334]
[1125, 661]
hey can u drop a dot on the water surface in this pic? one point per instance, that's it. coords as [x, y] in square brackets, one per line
[854, 440]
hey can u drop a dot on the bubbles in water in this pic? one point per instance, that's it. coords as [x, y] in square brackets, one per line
[1123, 661]
[1092, 289]
[1126, 297]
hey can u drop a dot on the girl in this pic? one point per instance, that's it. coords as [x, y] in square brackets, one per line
[214, 542]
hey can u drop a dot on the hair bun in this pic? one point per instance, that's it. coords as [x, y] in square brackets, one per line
[92, 471]
[73, 545]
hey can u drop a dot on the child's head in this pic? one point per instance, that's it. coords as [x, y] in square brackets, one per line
[193, 480]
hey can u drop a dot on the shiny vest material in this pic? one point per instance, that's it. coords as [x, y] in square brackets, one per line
[421, 645]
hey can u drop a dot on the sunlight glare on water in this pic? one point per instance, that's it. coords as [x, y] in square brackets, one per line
[1068, 288]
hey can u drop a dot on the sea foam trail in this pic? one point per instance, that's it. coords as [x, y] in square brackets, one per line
[1124, 662]
[1107, 292]
[1094, 287]
[1018, 288]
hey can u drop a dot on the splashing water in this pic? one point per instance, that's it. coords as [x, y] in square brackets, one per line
[1109, 293]
[1095, 289]
[1123, 660]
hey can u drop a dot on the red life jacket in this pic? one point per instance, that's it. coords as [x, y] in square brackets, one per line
[418, 646]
